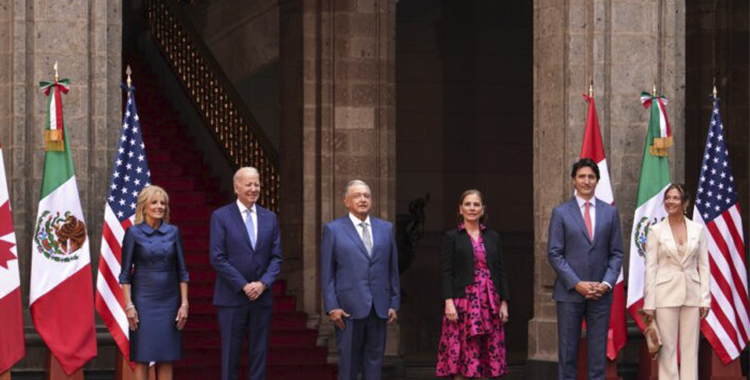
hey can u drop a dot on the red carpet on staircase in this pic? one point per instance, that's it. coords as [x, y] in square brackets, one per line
[178, 167]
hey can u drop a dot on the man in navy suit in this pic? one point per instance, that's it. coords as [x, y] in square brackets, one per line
[246, 254]
[360, 283]
[585, 250]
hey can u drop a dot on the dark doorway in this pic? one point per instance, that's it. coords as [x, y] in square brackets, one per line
[717, 51]
[464, 104]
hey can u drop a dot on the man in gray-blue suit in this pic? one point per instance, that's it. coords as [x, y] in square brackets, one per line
[360, 284]
[585, 250]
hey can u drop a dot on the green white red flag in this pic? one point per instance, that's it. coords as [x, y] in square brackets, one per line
[593, 148]
[653, 182]
[61, 293]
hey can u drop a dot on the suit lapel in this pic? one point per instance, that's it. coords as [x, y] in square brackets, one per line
[380, 234]
[240, 223]
[375, 237]
[689, 246]
[261, 212]
[601, 218]
[671, 243]
[351, 230]
[575, 212]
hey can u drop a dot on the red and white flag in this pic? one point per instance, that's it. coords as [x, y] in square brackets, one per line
[61, 292]
[12, 347]
[593, 148]
[129, 175]
[727, 326]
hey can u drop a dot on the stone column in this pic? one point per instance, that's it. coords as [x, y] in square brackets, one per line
[84, 36]
[624, 47]
[340, 54]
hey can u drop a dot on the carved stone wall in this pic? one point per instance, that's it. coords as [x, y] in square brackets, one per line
[338, 121]
[86, 41]
[624, 47]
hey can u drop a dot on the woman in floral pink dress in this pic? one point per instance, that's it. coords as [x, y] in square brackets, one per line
[475, 288]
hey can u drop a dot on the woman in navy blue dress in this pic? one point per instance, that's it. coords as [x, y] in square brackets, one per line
[154, 284]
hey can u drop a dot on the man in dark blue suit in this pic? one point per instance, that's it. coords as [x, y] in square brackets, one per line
[246, 253]
[585, 249]
[360, 283]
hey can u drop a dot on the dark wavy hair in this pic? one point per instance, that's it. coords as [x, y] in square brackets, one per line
[483, 219]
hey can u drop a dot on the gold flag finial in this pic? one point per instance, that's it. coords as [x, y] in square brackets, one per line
[591, 89]
[128, 82]
[653, 91]
[716, 93]
[57, 75]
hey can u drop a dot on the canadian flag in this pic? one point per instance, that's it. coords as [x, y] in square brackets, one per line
[593, 148]
[12, 347]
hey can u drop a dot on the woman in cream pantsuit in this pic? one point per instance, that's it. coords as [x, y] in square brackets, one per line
[676, 285]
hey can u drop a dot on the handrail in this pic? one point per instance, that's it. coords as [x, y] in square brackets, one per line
[226, 116]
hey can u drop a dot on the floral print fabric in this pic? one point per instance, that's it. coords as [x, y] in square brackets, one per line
[474, 346]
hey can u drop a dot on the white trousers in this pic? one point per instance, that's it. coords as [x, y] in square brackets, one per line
[682, 322]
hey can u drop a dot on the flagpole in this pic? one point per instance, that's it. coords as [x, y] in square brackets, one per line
[711, 365]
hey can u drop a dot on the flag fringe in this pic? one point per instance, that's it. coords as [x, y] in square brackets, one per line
[663, 142]
[656, 151]
[53, 141]
[660, 145]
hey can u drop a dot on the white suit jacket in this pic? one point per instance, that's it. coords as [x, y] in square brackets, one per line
[671, 280]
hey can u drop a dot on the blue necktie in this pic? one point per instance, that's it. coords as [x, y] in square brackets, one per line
[250, 227]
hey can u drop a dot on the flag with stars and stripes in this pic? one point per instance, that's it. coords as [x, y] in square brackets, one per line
[130, 174]
[727, 327]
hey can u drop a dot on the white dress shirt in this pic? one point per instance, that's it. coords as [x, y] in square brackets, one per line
[592, 212]
[253, 214]
[360, 231]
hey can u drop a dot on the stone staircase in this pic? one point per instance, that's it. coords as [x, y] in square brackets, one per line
[177, 165]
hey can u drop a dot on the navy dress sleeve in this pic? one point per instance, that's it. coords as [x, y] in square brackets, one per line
[128, 251]
[182, 272]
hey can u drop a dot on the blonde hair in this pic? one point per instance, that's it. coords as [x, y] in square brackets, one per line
[145, 197]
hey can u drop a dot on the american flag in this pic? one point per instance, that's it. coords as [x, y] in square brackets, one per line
[727, 327]
[129, 175]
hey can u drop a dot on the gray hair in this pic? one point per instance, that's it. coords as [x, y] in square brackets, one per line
[355, 182]
[241, 170]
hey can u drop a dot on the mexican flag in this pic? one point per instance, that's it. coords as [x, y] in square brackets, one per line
[61, 292]
[653, 182]
[593, 148]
